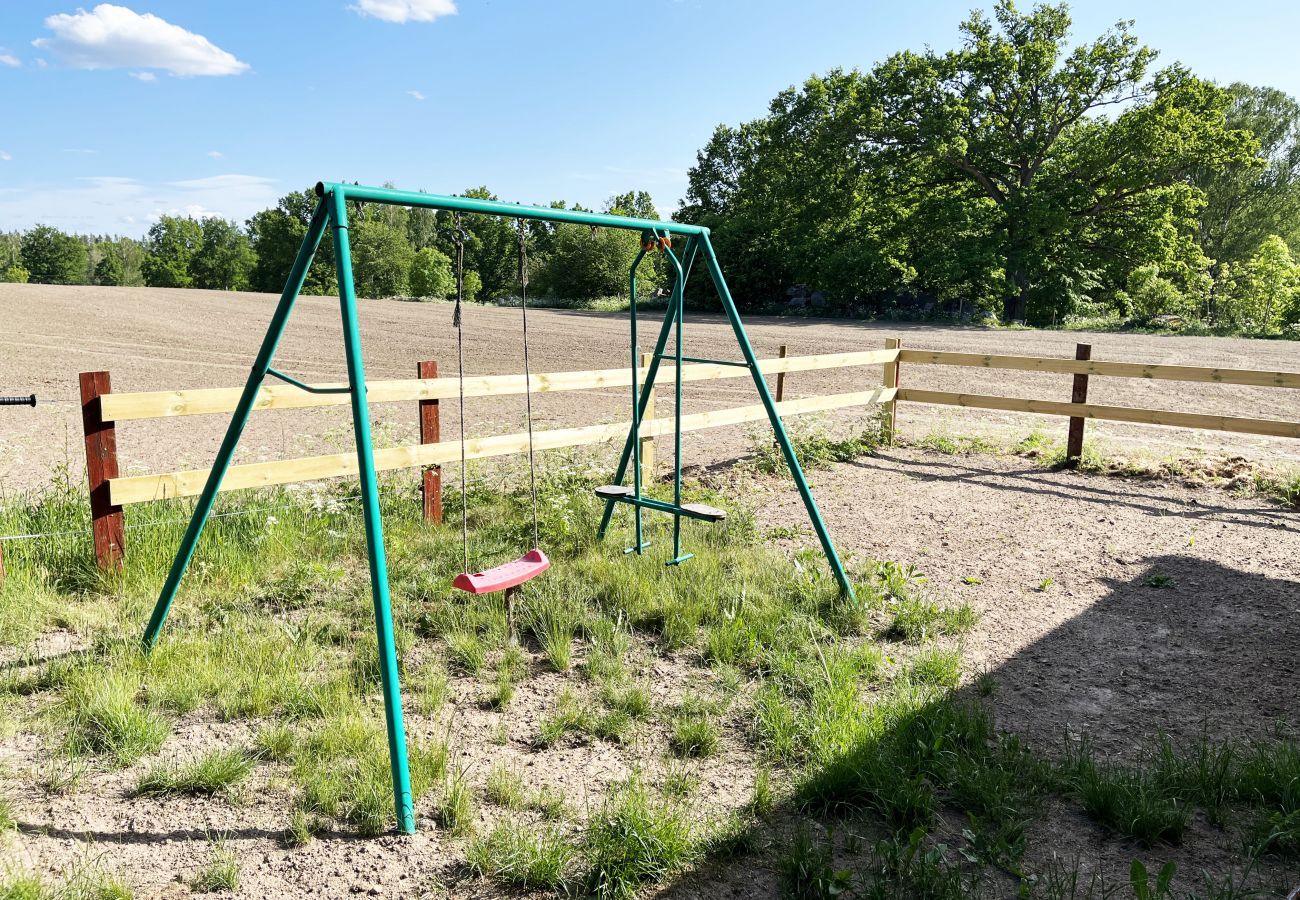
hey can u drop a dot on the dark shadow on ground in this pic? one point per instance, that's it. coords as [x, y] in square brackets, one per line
[1188, 647]
[1127, 490]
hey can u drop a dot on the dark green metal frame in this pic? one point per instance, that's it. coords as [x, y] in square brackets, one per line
[331, 212]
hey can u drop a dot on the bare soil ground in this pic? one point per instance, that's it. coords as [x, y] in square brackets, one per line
[154, 339]
[1112, 607]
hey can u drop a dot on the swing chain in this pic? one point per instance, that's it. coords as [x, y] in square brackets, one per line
[528, 374]
[460, 380]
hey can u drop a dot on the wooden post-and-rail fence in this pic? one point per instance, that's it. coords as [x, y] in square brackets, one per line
[102, 410]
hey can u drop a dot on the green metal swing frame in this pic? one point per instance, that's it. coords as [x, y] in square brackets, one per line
[331, 213]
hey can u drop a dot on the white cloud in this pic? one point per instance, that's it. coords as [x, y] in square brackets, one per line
[115, 205]
[8, 59]
[402, 11]
[4, 156]
[416, 94]
[41, 63]
[112, 37]
[144, 76]
[215, 154]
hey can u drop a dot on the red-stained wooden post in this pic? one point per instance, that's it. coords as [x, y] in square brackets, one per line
[101, 465]
[430, 433]
[1074, 442]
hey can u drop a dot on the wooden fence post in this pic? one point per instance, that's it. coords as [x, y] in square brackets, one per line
[1074, 442]
[647, 443]
[2, 564]
[101, 465]
[430, 433]
[780, 377]
[890, 411]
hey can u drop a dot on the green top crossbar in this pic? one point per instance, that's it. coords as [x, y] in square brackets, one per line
[498, 208]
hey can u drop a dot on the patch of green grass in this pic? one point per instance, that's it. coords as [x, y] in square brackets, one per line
[958, 444]
[806, 869]
[1127, 800]
[915, 620]
[570, 716]
[104, 717]
[216, 772]
[431, 689]
[633, 840]
[679, 781]
[8, 818]
[530, 859]
[1158, 580]
[694, 736]
[454, 810]
[342, 772]
[303, 828]
[549, 803]
[275, 742]
[815, 448]
[505, 787]
[935, 667]
[466, 650]
[553, 619]
[221, 873]
[633, 700]
[23, 886]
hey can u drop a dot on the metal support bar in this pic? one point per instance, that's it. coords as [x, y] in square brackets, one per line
[306, 387]
[652, 372]
[783, 439]
[203, 508]
[391, 686]
[716, 362]
[638, 532]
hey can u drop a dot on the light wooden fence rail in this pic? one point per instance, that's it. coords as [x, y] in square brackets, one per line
[102, 409]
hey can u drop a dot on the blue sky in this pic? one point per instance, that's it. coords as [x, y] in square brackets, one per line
[118, 113]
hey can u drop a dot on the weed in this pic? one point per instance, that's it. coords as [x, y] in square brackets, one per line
[549, 803]
[455, 808]
[806, 870]
[569, 716]
[466, 650]
[431, 690]
[8, 820]
[679, 782]
[763, 803]
[694, 737]
[1127, 800]
[914, 620]
[62, 775]
[553, 620]
[515, 856]
[1158, 580]
[303, 827]
[633, 840]
[217, 772]
[936, 667]
[1044, 584]
[632, 700]
[103, 717]
[505, 787]
[275, 742]
[221, 872]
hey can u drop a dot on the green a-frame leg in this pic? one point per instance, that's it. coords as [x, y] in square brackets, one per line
[331, 212]
[696, 245]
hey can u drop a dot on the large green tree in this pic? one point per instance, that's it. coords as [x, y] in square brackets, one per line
[225, 257]
[381, 257]
[1016, 169]
[171, 245]
[275, 235]
[52, 257]
[1246, 204]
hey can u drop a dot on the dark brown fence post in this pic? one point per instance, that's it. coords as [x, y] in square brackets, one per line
[101, 465]
[430, 433]
[780, 377]
[1074, 443]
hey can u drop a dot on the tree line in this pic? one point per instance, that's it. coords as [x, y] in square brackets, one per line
[395, 252]
[1020, 175]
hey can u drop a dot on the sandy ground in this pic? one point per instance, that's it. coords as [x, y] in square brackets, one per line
[152, 339]
[1104, 649]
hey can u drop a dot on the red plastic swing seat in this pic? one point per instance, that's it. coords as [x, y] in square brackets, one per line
[507, 575]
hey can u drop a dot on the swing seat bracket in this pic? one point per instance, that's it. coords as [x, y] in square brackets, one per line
[505, 576]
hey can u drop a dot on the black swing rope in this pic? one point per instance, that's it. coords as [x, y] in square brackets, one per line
[460, 381]
[456, 322]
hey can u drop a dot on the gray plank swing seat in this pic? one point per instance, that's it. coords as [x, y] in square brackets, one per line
[622, 494]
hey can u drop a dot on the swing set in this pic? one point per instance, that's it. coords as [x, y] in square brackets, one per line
[656, 237]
